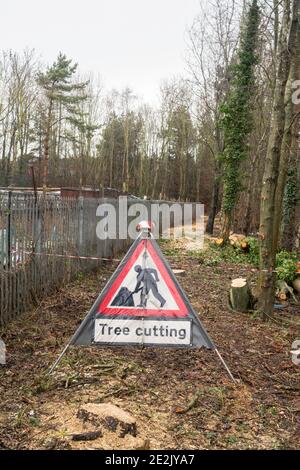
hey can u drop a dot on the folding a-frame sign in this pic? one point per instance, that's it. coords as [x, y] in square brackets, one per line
[143, 305]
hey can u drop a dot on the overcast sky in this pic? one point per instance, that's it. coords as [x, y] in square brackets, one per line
[134, 43]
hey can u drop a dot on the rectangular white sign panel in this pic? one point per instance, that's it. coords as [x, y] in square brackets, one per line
[139, 331]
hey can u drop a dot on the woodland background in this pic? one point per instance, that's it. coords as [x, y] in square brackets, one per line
[90, 136]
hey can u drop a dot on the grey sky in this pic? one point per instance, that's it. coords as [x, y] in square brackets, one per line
[128, 42]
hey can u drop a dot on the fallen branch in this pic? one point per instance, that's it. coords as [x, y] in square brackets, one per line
[87, 436]
[191, 404]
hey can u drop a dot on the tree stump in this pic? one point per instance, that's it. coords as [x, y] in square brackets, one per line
[108, 416]
[240, 295]
[296, 285]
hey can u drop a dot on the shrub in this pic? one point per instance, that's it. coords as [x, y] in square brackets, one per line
[286, 266]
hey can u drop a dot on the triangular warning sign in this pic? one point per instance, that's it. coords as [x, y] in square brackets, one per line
[144, 287]
[143, 304]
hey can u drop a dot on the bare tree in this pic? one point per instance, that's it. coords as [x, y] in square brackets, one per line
[212, 44]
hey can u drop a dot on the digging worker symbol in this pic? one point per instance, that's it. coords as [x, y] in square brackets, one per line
[148, 278]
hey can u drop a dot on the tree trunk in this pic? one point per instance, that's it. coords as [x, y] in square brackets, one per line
[226, 227]
[287, 140]
[268, 229]
[46, 146]
[125, 169]
[291, 197]
[215, 201]
[111, 157]
[156, 170]
[276, 23]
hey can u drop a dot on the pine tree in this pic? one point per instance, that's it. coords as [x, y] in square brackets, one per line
[58, 88]
[236, 120]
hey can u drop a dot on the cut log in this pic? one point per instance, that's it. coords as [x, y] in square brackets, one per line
[219, 242]
[239, 241]
[245, 246]
[236, 241]
[282, 291]
[240, 295]
[179, 272]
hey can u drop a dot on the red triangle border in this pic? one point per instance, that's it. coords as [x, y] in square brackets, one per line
[103, 308]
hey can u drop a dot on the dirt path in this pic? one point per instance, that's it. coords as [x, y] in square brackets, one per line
[262, 411]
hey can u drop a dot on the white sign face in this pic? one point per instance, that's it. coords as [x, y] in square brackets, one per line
[139, 331]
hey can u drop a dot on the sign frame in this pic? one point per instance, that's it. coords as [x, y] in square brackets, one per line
[199, 336]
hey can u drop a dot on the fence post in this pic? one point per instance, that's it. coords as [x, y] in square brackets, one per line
[80, 199]
[8, 261]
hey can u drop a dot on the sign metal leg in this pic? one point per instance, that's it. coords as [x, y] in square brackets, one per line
[226, 366]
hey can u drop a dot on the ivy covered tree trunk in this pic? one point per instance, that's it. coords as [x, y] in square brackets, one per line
[291, 196]
[290, 126]
[237, 117]
[269, 219]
